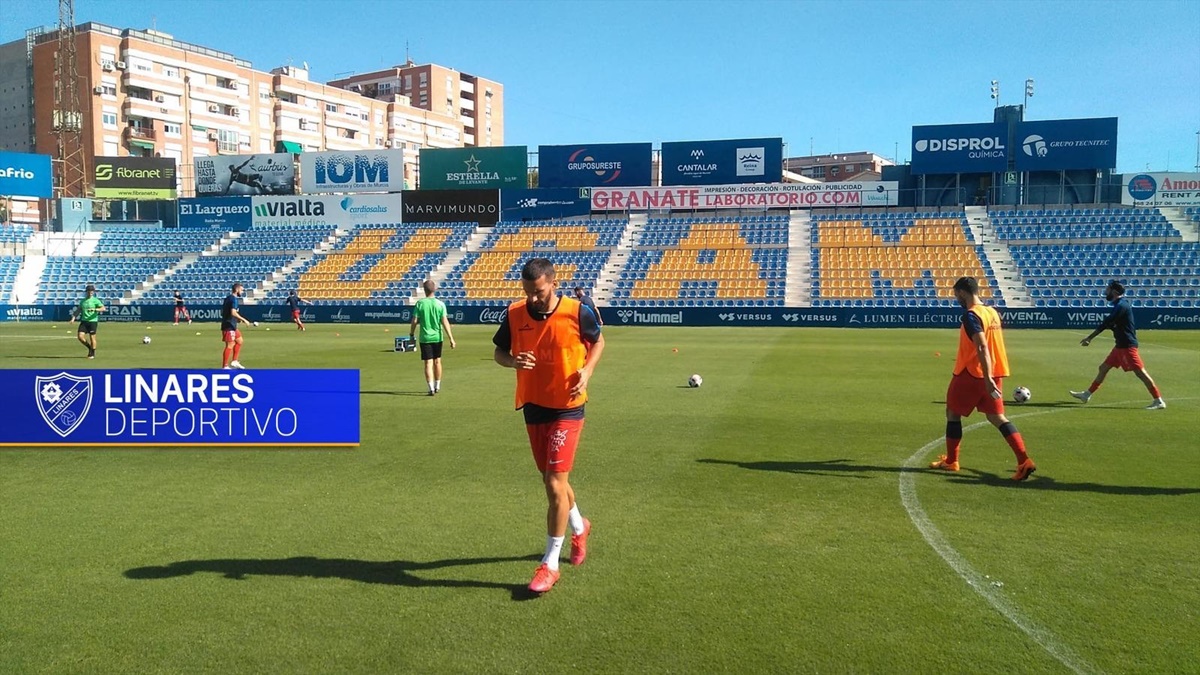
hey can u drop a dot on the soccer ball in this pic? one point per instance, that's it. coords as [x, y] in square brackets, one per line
[146, 340]
[695, 381]
[1022, 394]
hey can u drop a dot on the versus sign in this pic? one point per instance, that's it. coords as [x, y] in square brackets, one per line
[180, 407]
[465, 168]
[135, 177]
[216, 213]
[600, 164]
[26, 175]
[1161, 189]
[775, 196]
[310, 210]
[1054, 145]
[366, 171]
[448, 206]
[960, 148]
[267, 174]
[544, 203]
[749, 160]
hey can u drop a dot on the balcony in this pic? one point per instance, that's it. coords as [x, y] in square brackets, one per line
[144, 133]
[140, 107]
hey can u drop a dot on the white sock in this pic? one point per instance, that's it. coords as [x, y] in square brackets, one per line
[429, 383]
[575, 519]
[553, 550]
[437, 385]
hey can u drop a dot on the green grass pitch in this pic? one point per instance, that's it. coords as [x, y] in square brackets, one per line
[755, 524]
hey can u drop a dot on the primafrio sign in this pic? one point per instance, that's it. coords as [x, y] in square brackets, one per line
[361, 171]
[25, 175]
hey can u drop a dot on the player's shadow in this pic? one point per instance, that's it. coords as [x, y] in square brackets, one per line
[841, 468]
[1012, 406]
[390, 572]
[1039, 482]
[844, 468]
[396, 393]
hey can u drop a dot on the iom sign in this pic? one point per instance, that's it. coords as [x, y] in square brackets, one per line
[364, 171]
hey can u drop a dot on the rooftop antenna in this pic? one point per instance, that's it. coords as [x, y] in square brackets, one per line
[407, 55]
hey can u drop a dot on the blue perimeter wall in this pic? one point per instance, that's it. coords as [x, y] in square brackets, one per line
[1148, 318]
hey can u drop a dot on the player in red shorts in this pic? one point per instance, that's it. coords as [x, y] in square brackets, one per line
[1124, 354]
[554, 343]
[294, 301]
[230, 335]
[979, 371]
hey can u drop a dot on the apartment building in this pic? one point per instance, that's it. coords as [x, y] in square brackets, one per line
[477, 102]
[143, 92]
[843, 166]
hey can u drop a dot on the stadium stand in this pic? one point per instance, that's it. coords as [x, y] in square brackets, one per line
[578, 248]
[144, 241]
[1071, 224]
[278, 239]
[9, 266]
[895, 260]
[15, 234]
[210, 278]
[707, 262]
[375, 264]
[63, 278]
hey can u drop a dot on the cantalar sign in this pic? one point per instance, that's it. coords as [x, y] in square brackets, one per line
[1161, 189]
[746, 160]
[364, 171]
[135, 177]
[772, 196]
[474, 168]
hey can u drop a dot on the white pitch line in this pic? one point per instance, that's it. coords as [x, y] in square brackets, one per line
[978, 582]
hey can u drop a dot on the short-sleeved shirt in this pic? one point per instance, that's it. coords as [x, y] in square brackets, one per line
[1121, 322]
[293, 301]
[429, 313]
[179, 300]
[89, 309]
[589, 330]
[228, 322]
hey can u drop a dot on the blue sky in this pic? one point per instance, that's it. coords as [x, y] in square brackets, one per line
[833, 76]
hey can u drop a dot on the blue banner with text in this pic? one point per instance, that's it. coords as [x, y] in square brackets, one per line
[83, 407]
[808, 317]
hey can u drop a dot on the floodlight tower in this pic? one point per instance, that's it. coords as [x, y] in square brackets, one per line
[68, 109]
[1028, 91]
[996, 92]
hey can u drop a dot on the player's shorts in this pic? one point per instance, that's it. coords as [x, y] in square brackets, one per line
[88, 327]
[968, 394]
[431, 350]
[230, 335]
[1125, 358]
[554, 444]
[295, 314]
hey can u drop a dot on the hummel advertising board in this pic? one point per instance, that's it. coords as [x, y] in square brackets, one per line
[250, 175]
[360, 171]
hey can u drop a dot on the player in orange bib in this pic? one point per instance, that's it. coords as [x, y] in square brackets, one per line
[979, 371]
[554, 343]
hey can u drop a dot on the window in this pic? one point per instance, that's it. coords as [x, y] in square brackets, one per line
[109, 89]
[110, 149]
[385, 86]
[424, 79]
[264, 96]
[379, 141]
[109, 119]
[172, 129]
[818, 172]
[303, 124]
[849, 169]
[331, 107]
[834, 170]
[142, 66]
[227, 140]
[170, 72]
[365, 117]
[408, 81]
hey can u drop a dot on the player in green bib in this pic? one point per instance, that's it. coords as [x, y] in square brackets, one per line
[430, 315]
[88, 313]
